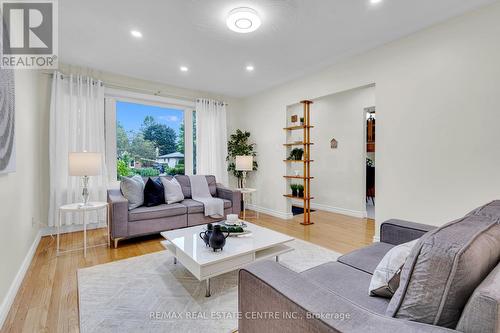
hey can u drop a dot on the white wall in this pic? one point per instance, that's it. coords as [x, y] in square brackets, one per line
[339, 183]
[20, 192]
[438, 97]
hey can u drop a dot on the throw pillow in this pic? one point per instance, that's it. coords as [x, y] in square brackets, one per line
[446, 266]
[133, 190]
[173, 190]
[154, 194]
[385, 278]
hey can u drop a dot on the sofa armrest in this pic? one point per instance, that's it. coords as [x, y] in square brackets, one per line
[272, 298]
[118, 206]
[233, 195]
[398, 231]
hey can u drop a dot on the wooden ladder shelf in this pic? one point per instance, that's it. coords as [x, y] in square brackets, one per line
[306, 177]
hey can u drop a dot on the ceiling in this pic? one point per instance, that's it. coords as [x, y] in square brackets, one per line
[297, 37]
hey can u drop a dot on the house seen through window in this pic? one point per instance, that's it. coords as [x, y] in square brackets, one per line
[149, 140]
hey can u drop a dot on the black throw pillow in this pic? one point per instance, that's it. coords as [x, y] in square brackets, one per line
[154, 193]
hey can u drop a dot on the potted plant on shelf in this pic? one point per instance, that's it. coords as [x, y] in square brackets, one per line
[300, 189]
[301, 121]
[296, 154]
[294, 188]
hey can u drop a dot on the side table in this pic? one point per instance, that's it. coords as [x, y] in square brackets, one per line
[248, 192]
[80, 208]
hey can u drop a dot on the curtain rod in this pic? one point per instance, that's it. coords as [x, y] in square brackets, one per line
[143, 90]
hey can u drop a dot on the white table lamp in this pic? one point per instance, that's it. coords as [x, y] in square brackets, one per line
[244, 164]
[84, 165]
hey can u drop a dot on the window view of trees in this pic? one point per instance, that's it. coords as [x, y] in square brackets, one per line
[149, 140]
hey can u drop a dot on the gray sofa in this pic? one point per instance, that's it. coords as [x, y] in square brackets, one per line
[143, 220]
[333, 297]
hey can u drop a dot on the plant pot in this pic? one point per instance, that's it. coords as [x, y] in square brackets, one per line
[301, 193]
[294, 192]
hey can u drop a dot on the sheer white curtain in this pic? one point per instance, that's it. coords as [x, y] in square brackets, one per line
[76, 125]
[211, 139]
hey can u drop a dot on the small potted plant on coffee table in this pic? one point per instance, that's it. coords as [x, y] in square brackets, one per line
[294, 188]
[300, 189]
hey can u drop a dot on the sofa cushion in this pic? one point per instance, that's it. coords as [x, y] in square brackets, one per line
[347, 282]
[156, 212]
[173, 190]
[366, 259]
[445, 267]
[194, 206]
[132, 189]
[186, 185]
[154, 193]
[386, 277]
[482, 312]
[490, 210]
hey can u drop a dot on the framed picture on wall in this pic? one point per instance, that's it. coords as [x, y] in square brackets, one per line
[7, 121]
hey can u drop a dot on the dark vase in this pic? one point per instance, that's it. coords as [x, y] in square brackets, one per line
[301, 193]
[294, 192]
[217, 239]
[205, 235]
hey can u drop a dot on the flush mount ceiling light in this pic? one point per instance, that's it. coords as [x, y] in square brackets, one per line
[243, 20]
[250, 68]
[375, 2]
[183, 68]
[136, 33]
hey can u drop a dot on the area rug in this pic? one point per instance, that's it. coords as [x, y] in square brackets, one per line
[152, 294]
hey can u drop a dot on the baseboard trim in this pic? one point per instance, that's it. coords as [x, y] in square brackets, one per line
[18, 280]
[272, 212]
[337, 210]
[47, 231]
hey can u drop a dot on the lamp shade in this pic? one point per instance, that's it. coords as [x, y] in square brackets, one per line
[84, 164]
[244, 163]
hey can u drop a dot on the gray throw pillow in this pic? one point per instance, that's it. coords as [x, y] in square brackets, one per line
[385, 278]
[446, 266]
[133, 190]
[173, 190]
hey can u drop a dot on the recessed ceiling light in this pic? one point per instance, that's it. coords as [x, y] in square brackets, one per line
[374, 2]
[183, 68]
[136, 33]
[250, 68]
[243, 20]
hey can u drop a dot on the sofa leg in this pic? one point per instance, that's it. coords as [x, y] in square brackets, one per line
[115, 240]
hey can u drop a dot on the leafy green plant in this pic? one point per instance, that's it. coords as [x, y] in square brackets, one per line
[177, 170]
[296, 154]
[300, 189]
[123, 169]
[147, 172]
[294, 188]
[238, 145]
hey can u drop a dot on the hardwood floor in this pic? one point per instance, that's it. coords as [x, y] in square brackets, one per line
[48, 298]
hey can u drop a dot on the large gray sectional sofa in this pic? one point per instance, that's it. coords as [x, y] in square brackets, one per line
[449, 283]
[143, 220]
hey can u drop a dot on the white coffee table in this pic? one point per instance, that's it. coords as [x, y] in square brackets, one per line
[190, 250]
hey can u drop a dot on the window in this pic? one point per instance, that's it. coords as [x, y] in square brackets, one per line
[148, 135]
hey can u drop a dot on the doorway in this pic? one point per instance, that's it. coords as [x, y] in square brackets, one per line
[370, 161]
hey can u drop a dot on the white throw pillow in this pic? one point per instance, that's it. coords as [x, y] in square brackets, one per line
[133, 190]
[385, 279]
[173, 190]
